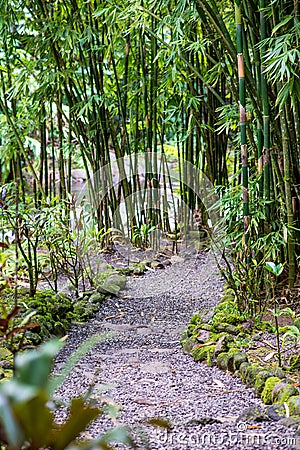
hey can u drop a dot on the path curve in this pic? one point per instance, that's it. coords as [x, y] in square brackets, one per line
[152, 377]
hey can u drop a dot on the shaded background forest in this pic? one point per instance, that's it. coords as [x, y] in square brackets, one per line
[214, 83]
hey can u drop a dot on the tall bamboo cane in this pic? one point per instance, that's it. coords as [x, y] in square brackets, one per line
[242, 107]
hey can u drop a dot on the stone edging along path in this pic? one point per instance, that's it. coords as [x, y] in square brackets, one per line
[150, 376]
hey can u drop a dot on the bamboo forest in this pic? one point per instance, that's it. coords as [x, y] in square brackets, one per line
[149, 183]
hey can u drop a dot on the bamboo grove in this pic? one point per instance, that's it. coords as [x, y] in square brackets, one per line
[215, 81]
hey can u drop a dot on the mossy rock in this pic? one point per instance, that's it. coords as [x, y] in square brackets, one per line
[243, 370]
[222, 361]
[189, 331]
[251, 374]
[205, 326]
[283, 391]
[227, 328]
[261, 379]
[188, 344]
[203, 353]
[293, 404]
[238, 359]
[196, 319]
[109, 288]
[268, 388]
[117, 279]
[96, 297]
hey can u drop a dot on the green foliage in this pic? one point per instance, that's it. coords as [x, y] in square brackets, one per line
[41, 317]
[27, 417]
[141, 235]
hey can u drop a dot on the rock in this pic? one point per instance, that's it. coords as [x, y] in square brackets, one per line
[290, 422]
[222, 361]
[251, 374]
[110, 288]
[238, 359]
[293, 404]
[231, 329]
[208, 316]
[276, 412]
[268, 388]
[203, 336]
[203, 353]
[243, 370]
[188, 344]
[166, 262]
[247, 326]
[253, 414]
[222, 345]
[260, 380]
[283, 391]
[117, 279]
[156, 265]
[96, 297]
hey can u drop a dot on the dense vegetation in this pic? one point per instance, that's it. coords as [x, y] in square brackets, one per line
[100, 86]
[91, 91]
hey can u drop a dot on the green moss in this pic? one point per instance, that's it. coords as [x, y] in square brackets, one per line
[266, 326]
[282, 392]
[268, 388]
[293, 404]
[260, 380]
[222, 360]
[251, 374]
[243, 370]
[203, 353]
[196, 319]
[188, 344]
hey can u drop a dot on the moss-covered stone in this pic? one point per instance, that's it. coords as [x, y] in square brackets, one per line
[238, 359]
[268, 388]
[251, 374]
[117, 279]
[203, 353]
[96, 297]
[283, 391]
[293, 404]
[243, 370]
[227, 328]
[188, 344]
[205, 326]
[222, 360]
[221, 346]
[196, 319]
[260, 380]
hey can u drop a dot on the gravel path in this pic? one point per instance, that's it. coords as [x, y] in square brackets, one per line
[151, 377]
